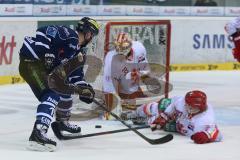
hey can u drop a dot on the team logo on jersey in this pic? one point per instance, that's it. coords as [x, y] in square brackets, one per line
[51, 31]
[66, 31]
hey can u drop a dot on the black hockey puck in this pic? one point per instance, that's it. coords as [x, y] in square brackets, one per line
[98, 126]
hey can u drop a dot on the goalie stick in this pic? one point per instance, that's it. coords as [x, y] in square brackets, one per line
[60, 136]
[161, 140]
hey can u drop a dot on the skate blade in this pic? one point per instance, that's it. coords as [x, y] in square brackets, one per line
[34, 146]
[68, 134]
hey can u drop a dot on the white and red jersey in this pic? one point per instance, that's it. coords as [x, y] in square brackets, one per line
[117, 69]
[185, 124]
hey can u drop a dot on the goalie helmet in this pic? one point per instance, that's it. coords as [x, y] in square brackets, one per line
[123, 44]
[86, 25]
[196, 101]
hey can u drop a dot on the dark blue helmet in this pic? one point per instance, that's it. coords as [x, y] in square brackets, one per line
[87, 24]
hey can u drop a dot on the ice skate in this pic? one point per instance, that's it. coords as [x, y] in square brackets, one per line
[65, 128]
[70, 128]
[38, 141]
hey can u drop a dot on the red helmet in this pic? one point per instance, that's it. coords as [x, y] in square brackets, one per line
[197, 100]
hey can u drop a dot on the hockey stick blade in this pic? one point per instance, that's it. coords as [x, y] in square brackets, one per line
[161, 140]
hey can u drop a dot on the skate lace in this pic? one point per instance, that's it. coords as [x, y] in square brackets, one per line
[72, 126]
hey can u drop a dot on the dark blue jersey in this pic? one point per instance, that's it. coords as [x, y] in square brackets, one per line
[52, 44]
[60, 41]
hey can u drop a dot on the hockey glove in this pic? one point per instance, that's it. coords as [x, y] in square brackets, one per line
[170, 126]
[200, 138]
[159, 122]
[85, 91]
[133, 76]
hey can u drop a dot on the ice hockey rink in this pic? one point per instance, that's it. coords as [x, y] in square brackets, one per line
[18, 107]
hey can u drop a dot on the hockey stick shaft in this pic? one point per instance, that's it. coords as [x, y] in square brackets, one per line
[101, 133]
[151, 141]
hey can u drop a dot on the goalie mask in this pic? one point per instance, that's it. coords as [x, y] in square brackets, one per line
[196, 102]
[123, 44]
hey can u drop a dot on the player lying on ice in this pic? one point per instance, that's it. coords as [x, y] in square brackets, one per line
[189, 115]
[42, 57]
[233, 30]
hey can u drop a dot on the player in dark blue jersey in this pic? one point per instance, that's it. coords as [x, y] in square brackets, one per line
[45, 53]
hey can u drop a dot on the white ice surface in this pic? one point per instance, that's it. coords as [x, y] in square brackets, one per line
[17, 114]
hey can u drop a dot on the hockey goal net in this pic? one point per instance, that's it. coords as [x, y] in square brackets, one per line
[155, 36]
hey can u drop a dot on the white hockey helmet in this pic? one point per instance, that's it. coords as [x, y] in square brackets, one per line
[123, 44]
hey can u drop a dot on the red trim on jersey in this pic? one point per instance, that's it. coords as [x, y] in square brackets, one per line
[130, 57]
[145, 110]
[214, 135]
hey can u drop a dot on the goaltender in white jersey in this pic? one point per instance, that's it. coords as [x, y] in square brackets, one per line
[189, 115]
[124, 66]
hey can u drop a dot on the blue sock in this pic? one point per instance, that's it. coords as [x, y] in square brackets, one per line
[46, 109]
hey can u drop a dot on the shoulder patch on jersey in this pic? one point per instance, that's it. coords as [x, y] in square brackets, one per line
[66, 31]
[51, 31]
